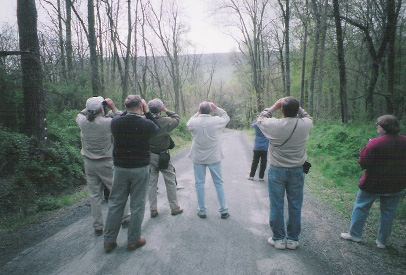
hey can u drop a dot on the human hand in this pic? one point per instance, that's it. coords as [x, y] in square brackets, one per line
[278, 104]
[164, 109]
[110, 103]
[144, 106]
[213, 106]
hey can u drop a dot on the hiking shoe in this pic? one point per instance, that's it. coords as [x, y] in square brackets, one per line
[291, 244]
[176, 211]
[202, 216]
[380, 245]
[278, 244]
[142, 242]
[108, 247]
[98, 232]
[154, 213]
[125, 224]
[250, 178]
[348, 237]
[225, 216]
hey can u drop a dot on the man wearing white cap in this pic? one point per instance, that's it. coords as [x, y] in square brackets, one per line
[97, 148]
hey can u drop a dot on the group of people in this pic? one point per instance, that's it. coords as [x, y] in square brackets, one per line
[125, 151]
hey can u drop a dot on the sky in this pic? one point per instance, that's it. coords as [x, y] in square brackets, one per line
[204, 35]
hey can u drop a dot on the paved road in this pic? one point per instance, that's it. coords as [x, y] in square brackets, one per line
[186, 244]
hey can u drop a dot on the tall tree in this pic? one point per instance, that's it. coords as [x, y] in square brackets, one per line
[34, 97]
[286, 19]
[341, 62]
[96, 85]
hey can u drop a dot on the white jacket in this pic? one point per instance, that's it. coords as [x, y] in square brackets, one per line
[206, 131]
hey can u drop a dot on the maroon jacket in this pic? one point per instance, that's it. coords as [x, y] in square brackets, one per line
[384, 162]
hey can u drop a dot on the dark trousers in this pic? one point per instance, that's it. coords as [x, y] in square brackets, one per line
[259, 155]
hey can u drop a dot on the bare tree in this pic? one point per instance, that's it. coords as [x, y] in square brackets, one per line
[286, 20]
[96, 85]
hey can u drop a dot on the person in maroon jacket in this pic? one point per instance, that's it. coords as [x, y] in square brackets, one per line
[384, 162]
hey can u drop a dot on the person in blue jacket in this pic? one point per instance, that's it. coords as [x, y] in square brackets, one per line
[260, 153]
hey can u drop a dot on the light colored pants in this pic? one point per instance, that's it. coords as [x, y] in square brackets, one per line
[170, 183]
[200, 177]
[99, 173]
[133, 182]
[388, 206]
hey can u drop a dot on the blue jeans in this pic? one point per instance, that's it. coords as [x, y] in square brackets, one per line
[388, 207]
[200, 177]
[291, 181]
[133, 182]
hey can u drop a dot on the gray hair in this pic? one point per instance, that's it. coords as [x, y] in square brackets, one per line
[205, 108]
[132, 102]
[156, 105]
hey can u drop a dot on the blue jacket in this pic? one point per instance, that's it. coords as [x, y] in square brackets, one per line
[261, 142]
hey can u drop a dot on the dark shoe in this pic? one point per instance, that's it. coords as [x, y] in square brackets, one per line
[202, 216]
[108, 247]
[142, 242]
[225, 216]
[98, 232]
[125, 224]
[154, 213]
[176, 211]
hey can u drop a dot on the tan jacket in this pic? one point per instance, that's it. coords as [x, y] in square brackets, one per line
[96, 137]
[293, 153]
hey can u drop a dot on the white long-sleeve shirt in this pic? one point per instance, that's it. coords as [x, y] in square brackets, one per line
[293, 153]
[206, 131]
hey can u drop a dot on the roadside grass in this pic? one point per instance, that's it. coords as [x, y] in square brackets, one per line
[45, 206]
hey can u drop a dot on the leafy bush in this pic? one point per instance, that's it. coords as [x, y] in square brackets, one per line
[29, 173]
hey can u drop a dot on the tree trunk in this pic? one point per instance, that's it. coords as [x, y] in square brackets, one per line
[323, 31]
[96, 87]
[34, 97]
[315, 55]
[287, 47]
[61, 44]
[341, 62]
[68, 39]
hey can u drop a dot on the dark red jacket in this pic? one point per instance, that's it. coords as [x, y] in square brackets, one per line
[384, 162]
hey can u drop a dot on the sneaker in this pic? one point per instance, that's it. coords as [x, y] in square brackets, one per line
[202, 216]
[225, 216]
[108, 247]
[154, 213]
[142, 242]
[291, 244]
[250, 178]
[380, 245]
[176, 211]
[278, 244]
[261, 179]
[125, 224]
[347, 236]
[98, 232]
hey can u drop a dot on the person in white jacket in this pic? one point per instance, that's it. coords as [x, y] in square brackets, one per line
[206, 152]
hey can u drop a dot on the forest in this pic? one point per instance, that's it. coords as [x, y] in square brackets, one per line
[344, 60]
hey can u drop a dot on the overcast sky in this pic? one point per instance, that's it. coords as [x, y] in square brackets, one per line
[206, 37]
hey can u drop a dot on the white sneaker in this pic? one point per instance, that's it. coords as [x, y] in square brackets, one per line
[347, 236]
[291, 244]
[250, 178]
[278, 244]
[261, 179]
[379, 245]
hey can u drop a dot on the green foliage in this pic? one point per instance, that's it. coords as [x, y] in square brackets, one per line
[28, 173]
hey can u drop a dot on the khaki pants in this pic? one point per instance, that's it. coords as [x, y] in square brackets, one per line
[99, 173]
[170, 182]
